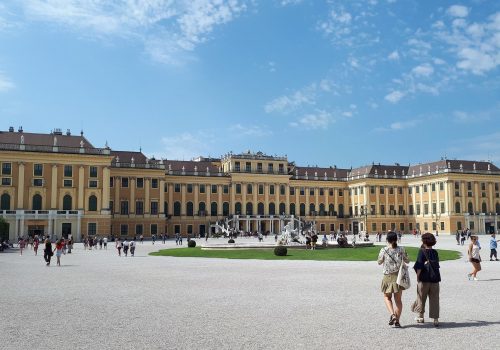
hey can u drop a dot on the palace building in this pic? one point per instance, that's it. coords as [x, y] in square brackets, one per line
[60, 184]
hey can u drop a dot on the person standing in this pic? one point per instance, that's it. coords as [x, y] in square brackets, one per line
[70, 245]
[36, 242]
[391, 257]
[142, 239]
[105, 243]
[428, 278]
[125, 247]
[59, 251]
[119, 246]
[474, 258]
[132, 247]
[493, 247]
[47, 252]
[21, 243]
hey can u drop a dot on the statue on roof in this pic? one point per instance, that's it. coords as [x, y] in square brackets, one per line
[22, 139]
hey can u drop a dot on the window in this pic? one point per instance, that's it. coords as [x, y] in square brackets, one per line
[441, 206]
[400, 190]
[418, 209]
[5, 202]
[271, 189]
[177, 188]
[190, 229]
[426, 226]
[270, 168]
[311, 191]
[124, 207]
[93, 183]
[401, 226]
[272, 209]
[426, 208]
[6, 181]
[201, 209]
[38, 170]
[425, 188]
[384, 226]
[177, 209]
[92, 228]
[38, 182]
[442, 226]
[249, 208]
[282, 190]
[154, 229]
[154, 208]
[374, 226]
[411, 209]
[248, 167]
[302, 209]
[225, 189]
[238, 188]
[213, 208]
[410, 190]
[225, 208]
[67, 202]
[471, 225]
[469, 186]
[124, 182]
[139, 229]
[202, 188]
[154, 183]
[237, 208]
[189, 209]
[330, 192]
[214, 189]
[459, 225]
[259, 167]
[302, 191]
[249, 189]
[93, 171]
[441, 186]
[434, 208]
[67, 183]
[361, 190]
[457, 208]
[341, 193]
[434, 226]
[165, 187]
[292, 208]
[261, 189]
[433, 187]
[417, 189]
[292, 191]
[139, 208]
[123, 229]
[37, 202]
[68, 171]
[111, 181]
[382, 190]
[6, 168]
[282, 208]
[92, 203]
[391, 190]
[372, 189]
[470, 208]
[281, 169]
[483, 186]
[382, 209]
[189, 188]
[140, 182]
[237, 166]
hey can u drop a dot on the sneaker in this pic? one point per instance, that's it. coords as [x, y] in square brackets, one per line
[419, 319]
[436, 322]
[475, 279]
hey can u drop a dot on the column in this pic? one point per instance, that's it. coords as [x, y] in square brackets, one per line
[162, 196]
[171, 199]
[316, 199]
[209, 205]
[220, 203]
[277, 198]
[438, 199]
[352, 191]
[421, 199]
[377, 200]
[491, 204]
[266, 199]
[233, 199]
[414, 200]
[78, 228]
[336, 199]
[117, 183]
[53, 192]
[255, 201]
[105, 188]
[196, 203]
[477, 207]
[405, 199]
[287, 202]
[396, 202]
[463, 192]
[20, 188]
[81, 186]
[327, 202]
[308, 194]
[147, 187]
[244, 198]
[447, 197]
[132, 195]
[386, 200]
[429, 195]
[183, 199]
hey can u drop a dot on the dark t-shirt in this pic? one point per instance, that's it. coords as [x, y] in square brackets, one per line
[433, 257]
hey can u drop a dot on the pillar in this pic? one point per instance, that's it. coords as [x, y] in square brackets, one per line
[20, 188]
[53, 192]
[81, 187]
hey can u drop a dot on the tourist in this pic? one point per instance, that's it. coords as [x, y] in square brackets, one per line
[119, 246]
[463, 236]
[91, 243]
[163, 238]
[308, 241]
[59, 250]
[314, 241]
[132, 247]
[474, 258]
[392, 257]
[36, 242]
[177, 238]
[125, 247]
[324, 240]
[47, 252]
[21, 243]
[105, 243]
[457, 237]
[428, 278]
[180, 239]
[70, 245]
[142, 239]
[493, 247]
[153, 238]
[101, 242]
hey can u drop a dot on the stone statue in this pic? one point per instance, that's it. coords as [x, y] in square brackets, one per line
[55, 141]
[81, 144]
[22, 139]
[288, 235]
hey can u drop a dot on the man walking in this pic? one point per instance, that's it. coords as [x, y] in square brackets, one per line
[493, 247]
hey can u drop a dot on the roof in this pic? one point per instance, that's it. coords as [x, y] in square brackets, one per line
[126, 157]
[331, 172]
[189, 166]
[381, 170]
[460, 165]
[37, 139]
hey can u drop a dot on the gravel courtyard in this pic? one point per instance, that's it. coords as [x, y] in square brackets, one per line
[98, 300]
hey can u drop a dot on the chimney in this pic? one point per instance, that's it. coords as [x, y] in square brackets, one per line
[11, 129]
[68, 132]
[20, 129]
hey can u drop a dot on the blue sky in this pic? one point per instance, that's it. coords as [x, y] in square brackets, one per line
[324, 82]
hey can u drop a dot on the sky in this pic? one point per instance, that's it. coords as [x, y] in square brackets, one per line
[324, 82]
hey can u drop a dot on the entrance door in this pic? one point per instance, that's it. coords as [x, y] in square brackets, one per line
[66, 230]
[202, 230]
[489, 228]
[35, 230]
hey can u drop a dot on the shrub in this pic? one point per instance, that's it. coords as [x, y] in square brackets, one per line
[192, 243]
[230, 241]
[280, 251]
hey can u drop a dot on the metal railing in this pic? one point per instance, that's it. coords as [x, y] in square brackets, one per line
[53, 149]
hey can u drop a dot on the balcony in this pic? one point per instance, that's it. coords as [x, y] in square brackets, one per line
[54, 149]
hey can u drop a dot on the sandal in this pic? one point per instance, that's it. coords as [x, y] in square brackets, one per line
[392, 320]
[397, 324]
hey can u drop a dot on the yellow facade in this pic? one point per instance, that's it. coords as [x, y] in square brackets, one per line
[82, 190]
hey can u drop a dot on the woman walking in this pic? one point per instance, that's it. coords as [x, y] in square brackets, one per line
[391, 257]
[119, 246]
[474, 258]
[59, 250]
[428, 277]
[47, 252]
[35, 245]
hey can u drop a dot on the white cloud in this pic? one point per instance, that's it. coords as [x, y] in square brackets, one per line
[458, 11]
[400, 125]
[476, 60]
[395, 96]
[5, 83]
[424, 70]
[250, 130]
[474, 117]
[168, 28]
[186, 145]
[290, 2]
[286, 104]
[481, 147]
[319, 120]
[394, 56]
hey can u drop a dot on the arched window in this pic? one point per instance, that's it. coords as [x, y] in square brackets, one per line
[292, 208]
[177, 208]
[237, 208]
[201, 209]
[302, 209]
[331, 209]
[225, 208]
[260, 209]
[470, 208]
[213, 209]
[457, 208]
[312, 209]
[341, 211]
[37, 202]
[249, 208]
[272, 209]
[5, 202]
[282, 208]
[484, 209]
[322, 210]
[67, 202]
[249, 189]
[498, 208]
[189, 209]
[92, 203]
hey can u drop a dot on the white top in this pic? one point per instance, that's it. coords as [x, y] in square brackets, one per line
[392, 258]
[105, 239]
[475, 252]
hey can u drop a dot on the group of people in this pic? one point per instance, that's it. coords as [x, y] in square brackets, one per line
[90, 242]
[126, 245]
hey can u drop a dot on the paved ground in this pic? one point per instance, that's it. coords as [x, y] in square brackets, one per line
[97, 300]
